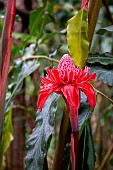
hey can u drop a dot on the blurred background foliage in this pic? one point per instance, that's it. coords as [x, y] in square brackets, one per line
[40, 29]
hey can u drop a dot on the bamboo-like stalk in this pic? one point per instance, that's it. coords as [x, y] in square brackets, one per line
[109, 152]
[62, 140]
[108, 11]
[5, 57]
[94, 9]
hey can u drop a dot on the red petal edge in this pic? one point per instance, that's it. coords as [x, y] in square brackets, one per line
[89, 92]
[42, 98]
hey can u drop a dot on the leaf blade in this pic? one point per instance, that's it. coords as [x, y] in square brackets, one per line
[87, 152]
[105, 74]
[35, 19]
[37, 144]
[84, 113]
[77, 38]
[26, 70]
[102, 31]
[7, 136]
[104, 59]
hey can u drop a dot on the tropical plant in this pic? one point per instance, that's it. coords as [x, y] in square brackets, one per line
[56, 29]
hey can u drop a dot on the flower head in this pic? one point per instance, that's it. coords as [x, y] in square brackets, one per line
[68, 81]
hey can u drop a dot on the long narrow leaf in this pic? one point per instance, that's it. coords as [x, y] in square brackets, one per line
[37, 144]
[87, 151]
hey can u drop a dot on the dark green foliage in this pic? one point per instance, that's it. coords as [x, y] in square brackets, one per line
[102, 31]
[35, 20]
[67, 157]
[83, 113]
[102, 64]
[104, 59]
[40, 18]
[17, 80]
[86, 146]
[86, 149]
[20, 72]
[105, 74]
[37, 144]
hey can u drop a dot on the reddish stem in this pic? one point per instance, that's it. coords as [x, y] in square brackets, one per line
[6, 50]
[73, 114]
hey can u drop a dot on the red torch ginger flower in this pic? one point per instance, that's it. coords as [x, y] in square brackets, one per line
[68, 80]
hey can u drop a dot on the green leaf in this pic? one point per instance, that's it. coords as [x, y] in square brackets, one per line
[47, 36]
[27, 68]
[104, 59]
[18, 35]
[102, 64]
[104, 73]
[102, 31]
[77, 38]
[90, 151]
[16, 50]
[84, 113]
[37, 144]
[88, 154]
[35, 19]
[67, 156]
[7, 136]
[38, 20]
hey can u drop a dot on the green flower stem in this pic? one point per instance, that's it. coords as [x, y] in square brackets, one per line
[92, 17]
[63, 138]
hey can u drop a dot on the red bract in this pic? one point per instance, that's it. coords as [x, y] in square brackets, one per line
[68, 80]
